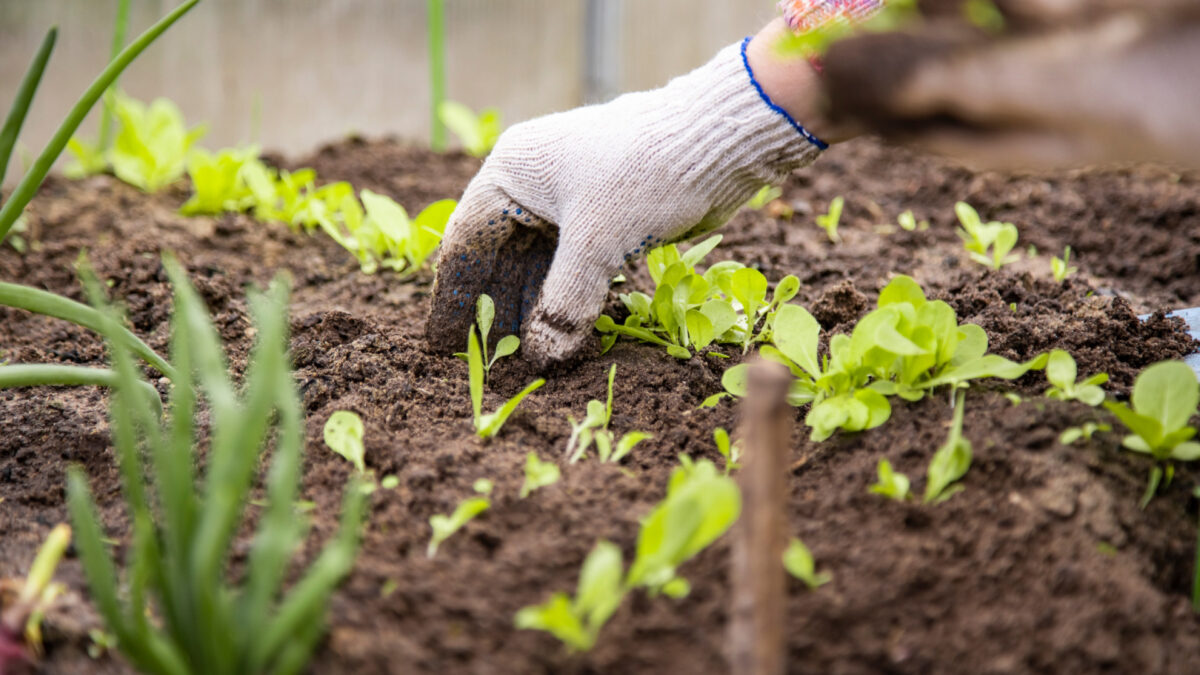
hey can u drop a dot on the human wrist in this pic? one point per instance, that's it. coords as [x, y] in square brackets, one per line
[791, 83]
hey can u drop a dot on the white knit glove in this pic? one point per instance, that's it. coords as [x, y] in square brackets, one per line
[564, 200]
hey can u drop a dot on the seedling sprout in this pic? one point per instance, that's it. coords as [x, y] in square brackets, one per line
[1061, 372]
[892, 484]
[1061, 268]
[444, 526]
[798, 561]
[488, 425]
[1164, 399]
[950, 462]
[988, 244]
[478, 133]
[732, 452]
[1085, 431]
[538, 474]
[829, 222]
[485, 314]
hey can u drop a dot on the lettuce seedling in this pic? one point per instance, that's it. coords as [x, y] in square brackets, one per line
[485, 314]
[538, 474]
[765, 195]
[892, 484]
[1061, 268]
[594, 428]
[829, 222]
[443, 526]
[701, 504]
[908, 222]
[1061, 372]
[487, 426]
[1164, 398]
[950, 462]
[152, 146]
[577, 622]
[217, 181]
[478, 133]
[1085, 431]
[732, 452]
[798, 561]
[344, 435]
[978, 237]
[21, 618]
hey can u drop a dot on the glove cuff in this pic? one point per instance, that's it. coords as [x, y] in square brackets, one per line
[732, 127]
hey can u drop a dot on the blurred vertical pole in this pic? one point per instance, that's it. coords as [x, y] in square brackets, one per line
[756, 637]
[602, 51]
[437, 73]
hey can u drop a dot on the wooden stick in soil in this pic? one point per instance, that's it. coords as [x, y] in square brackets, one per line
[756, 634]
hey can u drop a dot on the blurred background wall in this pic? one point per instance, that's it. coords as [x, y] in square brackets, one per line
[316, 70]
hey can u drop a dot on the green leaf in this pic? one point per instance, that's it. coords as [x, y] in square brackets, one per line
[1167, 392]
[951, 461]
[23, 193]
[344, 435]
[475, 377]
[720, 315]
[713, 400]
[700, 506]
[627, 443]
[507, 346]
[557, 617]
[696, 254]
[891, 484]
[485, 313]
[152, 146]
[24, 98]
[798, 561]
[600, 592]
[489, 425]
[902, 289]
[796, 334]
[734, 380]
[829, 221]
[444, 526]
[538, 474]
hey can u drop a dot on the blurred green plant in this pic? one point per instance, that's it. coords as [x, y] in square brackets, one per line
[176, 610]
[33, 178]
[478, 133]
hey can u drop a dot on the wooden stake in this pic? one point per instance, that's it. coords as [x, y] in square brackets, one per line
[756, 635]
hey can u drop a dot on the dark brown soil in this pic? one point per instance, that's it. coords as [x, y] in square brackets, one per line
[1042, 564]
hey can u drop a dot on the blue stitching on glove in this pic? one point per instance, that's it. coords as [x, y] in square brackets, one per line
[771, 104]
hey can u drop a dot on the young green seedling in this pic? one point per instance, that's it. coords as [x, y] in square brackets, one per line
[1061, 373]
[344, 435]
[175, 582]
[14, 206]
[798, 561]
[892, 484]
[978, 237]
[443, 526]
[577, 622]
[701, 504]
[1072, 434]
[1164, 398]
[478, 133]
[485, 314]
[908, 222]
[538, 474]
[487, 426]
[951, 461]
[594, 428]
[732, 452]
[152, 146]
[1061, 267]
[765, 195]
[217, 181]
[829, 222]
[21, 621]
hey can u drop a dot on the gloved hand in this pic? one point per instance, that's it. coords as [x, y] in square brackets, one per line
[564, 200]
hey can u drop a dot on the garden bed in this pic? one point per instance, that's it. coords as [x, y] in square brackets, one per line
[1044, 563]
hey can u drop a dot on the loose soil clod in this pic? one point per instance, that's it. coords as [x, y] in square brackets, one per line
[1043, 563]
